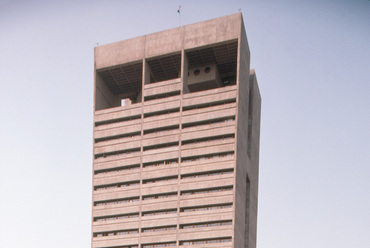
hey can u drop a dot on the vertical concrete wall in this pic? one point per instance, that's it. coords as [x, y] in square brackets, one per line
[254, 143]
[166, 42]
[103, 96]
[184, 72]
[119, 53]
[243, 163]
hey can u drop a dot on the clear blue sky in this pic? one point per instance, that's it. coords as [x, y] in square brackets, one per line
[312, 60]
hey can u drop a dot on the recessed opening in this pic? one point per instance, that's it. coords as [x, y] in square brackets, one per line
[163, 68]
[211, 67]
[161, 96]
[118, 85]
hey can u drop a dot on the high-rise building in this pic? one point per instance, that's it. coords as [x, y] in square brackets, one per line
[176, 139]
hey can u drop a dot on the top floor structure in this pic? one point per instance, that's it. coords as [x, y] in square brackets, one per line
[125, 68]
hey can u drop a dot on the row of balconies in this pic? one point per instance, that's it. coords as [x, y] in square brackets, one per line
[211, 212]
[214, 236]
[128, 207]
[214, 208]
[154, 145]
[115, 174]
[164, 171]
[161, 127]
[177, 219]
[161, 89]
[118, 156]
[108, 118]
[151, 126]
[161, 163]
[135, 172]
[161, 188]
[158, 145]
[221, 236]
[208, 208]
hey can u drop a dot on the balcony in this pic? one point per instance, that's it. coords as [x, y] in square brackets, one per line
[106, 165]
[162, 89]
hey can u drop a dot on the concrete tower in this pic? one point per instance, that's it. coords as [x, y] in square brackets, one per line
[176, 139]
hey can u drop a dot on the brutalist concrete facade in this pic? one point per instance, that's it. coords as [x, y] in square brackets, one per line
[176, 139]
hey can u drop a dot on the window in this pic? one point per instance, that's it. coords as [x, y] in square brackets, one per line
[205, 241]
[155, 245]
[205, 157]
[159, 163]
[159, 196]
[117, 153]
[206, 224]
[117, 169]
[209, 122]
[159, 229]
[163, 112]
[205, 191]
[207, 105]
[160, 212]
[110, 121]
[117, 217]
[117, 185]
[116, 201]
[118, 137]
[161, 130]
[114, 233]
[207, 174]
[158, 146]
[208, 139]
[207, 207]
[162, 179]
[160, 96]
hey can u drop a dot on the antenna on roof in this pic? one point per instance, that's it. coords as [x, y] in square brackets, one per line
[179, 11]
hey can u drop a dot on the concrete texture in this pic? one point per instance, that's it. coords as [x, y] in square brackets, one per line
[176, 156]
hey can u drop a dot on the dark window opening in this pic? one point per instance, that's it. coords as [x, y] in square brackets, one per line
[163, 112]
[159, 229]
[161, 129]
[208, 156]
[161, 162]
[117, 185]
[208, 139]
[207, 173]
[206, 207]
[209, 122]
[206, 224]
[159, 196]
[161, 96]
[116, 201]
[116, 217]
[117, 169]
[160, 212]
[117, 137]
[159, 146]
[205, 241]
[116, 153]
[207, 105]
[206, 191]
[164, 67]
[160, 179]
[110, 121]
